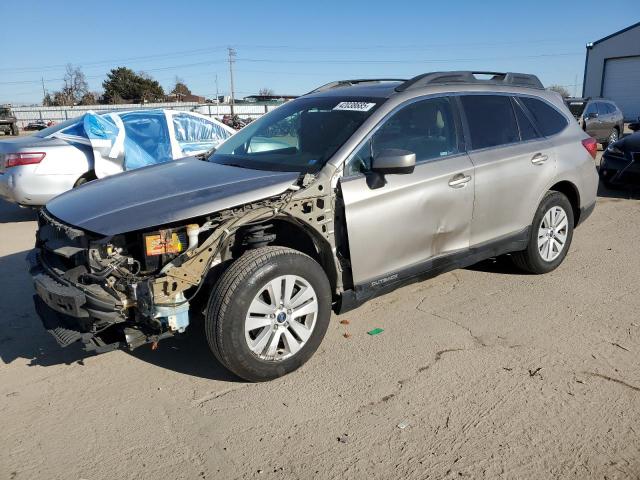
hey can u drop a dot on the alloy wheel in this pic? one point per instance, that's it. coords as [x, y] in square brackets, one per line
[552, 233]
[281, 318]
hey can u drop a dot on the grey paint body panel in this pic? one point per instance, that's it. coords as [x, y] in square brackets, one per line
[418, 216]
[165, 193]
[508, 184]
[411, 218]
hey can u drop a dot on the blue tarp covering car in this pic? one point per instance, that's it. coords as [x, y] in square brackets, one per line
[95, 145]
[128, 140]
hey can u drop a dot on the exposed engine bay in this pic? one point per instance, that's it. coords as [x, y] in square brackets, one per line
[140, 287]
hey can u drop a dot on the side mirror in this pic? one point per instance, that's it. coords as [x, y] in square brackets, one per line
[592, 115]
[635, 126]
[394, 160]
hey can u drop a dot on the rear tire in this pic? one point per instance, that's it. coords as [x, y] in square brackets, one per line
[247, 292]
[550, 235]
[613, 137]
[86, 178]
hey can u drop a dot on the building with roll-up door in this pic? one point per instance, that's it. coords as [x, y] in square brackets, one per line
[612, 70]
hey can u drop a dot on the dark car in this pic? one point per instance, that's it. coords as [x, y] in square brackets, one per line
[36, 125]
[600, 118]
[621, 161]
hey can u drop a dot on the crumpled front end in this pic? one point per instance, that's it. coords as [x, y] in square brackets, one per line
[95, 289]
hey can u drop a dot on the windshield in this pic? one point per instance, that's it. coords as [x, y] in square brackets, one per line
[299, 136]
[57, 127]
[4, 112]
[576, 107]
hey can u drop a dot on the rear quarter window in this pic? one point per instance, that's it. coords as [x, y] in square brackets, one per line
[491, 120]
[547, 118]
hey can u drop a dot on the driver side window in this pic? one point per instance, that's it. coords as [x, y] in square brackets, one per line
[426, 128]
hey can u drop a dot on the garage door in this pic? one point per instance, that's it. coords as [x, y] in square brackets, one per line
[622, 85]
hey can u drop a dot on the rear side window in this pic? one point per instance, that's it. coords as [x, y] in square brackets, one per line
[527, 130]
[547, 118]
[591, 108]
[491, 120]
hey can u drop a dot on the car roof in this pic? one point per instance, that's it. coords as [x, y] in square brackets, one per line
[454, 81]
[365, 89]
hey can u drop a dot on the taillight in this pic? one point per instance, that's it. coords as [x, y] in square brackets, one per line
[591, 145]
[23, 158]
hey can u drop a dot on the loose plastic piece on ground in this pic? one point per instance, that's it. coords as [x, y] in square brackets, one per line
[344, 438]
[403, 424]
[375, 331]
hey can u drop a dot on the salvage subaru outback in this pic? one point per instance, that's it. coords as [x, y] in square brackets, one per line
[341, 195]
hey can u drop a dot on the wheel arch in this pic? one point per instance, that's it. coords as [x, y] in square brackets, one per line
[291, 233]
[569, 190]
[89, 176]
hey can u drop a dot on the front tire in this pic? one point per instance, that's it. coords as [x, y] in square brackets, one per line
[268, 313]
[550, 236]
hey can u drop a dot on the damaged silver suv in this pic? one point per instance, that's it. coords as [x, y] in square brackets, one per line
[336, 197]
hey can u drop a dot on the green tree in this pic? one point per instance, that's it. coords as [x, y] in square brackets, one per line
[123, 84]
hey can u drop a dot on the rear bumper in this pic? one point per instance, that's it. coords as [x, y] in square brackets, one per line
[24, 186]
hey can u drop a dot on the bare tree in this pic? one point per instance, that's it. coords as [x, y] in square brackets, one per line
[265, 92]
[180, 90]
[74, 87]
[561, 90]
[90, 98]
[75, 83]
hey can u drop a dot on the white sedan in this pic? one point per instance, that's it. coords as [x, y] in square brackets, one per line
[38, 167]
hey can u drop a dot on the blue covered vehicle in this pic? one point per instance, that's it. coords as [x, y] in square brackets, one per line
[38, 167]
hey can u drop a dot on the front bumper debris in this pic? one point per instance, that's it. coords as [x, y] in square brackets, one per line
[69, 313]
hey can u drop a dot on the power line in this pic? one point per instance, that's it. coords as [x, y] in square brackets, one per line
[395, 61]
[318, 61]
[340, 48]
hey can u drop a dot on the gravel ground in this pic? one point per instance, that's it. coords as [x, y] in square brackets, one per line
[493, 373]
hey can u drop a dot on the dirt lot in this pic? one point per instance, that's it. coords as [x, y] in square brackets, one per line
[496, 374]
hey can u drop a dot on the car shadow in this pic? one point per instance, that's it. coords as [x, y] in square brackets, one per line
[187, 353]
[10, 213]
[22, 335]
[623, 191]
[502, 265]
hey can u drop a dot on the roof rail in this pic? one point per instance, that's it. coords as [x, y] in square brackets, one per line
[348, 83]
[496, 78]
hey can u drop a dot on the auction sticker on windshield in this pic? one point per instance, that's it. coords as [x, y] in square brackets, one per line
[355, 106]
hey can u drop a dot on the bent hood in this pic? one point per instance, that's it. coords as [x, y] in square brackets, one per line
[164, 193]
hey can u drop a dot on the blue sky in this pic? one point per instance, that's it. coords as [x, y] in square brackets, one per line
[291, 47]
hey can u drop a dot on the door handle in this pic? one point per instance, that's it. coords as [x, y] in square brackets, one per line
[539, 159]
[459, 180]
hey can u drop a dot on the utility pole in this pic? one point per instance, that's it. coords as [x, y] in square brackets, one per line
[575, 86]
[217, 98]
[44, 92]
[232, 59]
